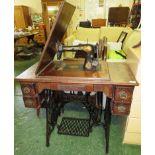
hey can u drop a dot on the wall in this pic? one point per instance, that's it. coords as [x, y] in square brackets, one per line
[79, 14]
[92, 9]
[89, 9]
[85, 9]
[35, 5]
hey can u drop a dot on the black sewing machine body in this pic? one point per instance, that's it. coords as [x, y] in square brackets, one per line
[91, 51]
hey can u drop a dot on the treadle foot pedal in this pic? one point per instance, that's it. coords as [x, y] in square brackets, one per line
[74, 127]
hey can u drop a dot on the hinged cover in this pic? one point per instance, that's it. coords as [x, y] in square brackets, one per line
[57, 32]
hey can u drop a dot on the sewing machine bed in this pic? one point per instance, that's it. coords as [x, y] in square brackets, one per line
[74, 68]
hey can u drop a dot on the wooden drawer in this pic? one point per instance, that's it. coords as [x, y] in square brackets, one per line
[75, 87]
[28, 89]
[123, 94]
[42, 86]
[120, 109]
[31, 102]
[64, 87]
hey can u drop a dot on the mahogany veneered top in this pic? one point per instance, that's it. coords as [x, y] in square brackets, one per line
[110, 73]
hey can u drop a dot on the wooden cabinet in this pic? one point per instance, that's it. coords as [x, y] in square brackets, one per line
[97, 23]
[118, 16]
[22, 17]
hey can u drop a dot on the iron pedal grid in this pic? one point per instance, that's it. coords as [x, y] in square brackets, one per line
[74, 126]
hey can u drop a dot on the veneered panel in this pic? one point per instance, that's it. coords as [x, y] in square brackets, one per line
[56, 34]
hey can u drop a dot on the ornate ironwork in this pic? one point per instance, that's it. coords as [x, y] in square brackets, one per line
[54, 102]
[53, 106]
[107, 122]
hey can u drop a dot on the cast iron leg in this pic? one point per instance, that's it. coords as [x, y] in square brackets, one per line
[107, 119]
[53, 108]
[47, 99]
[95, 109]
[50, 124]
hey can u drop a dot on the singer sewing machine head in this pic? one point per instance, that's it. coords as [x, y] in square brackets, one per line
[91, 59]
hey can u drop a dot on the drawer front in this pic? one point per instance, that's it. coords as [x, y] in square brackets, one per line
[30, 102]
[120, 109]
[28, 89]
[75, 87]
[64, 87]
[42, 86]
[123, 94]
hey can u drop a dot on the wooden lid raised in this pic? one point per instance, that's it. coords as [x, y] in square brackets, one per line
[57, 32]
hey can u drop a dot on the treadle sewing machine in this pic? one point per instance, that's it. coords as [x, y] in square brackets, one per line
[44, 84]
[91, 59]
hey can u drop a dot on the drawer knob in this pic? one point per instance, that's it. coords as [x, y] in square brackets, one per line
[123, 94]
[121, 108]
[26, 90]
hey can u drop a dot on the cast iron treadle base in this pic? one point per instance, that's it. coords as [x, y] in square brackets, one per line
[74, 127]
